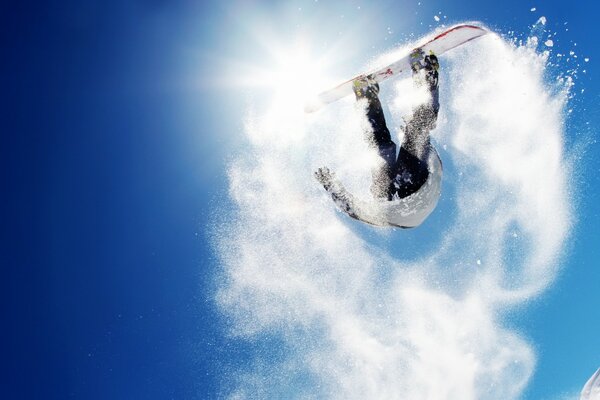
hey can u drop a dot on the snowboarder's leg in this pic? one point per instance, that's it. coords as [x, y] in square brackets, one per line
[379, 136]
[411, 168]
[416, 135]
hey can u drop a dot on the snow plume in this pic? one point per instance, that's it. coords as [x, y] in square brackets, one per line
[331, 312]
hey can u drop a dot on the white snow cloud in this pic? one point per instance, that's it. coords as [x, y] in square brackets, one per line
[358, 322]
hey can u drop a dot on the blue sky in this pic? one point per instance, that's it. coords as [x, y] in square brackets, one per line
[119, 126]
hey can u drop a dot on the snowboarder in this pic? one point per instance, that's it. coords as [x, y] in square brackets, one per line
[405, 187]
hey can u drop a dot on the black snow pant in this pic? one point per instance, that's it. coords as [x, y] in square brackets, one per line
[405, 173]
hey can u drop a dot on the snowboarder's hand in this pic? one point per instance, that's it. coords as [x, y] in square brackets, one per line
[325, 177]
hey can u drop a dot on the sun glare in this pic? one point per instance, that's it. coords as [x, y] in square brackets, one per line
[285, 78]
[295, 77]
[290, 74]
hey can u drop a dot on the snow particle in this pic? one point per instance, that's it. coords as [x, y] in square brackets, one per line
[532, 9]
[586, 59]
[542, 20]
[437, 19]
[549, 43]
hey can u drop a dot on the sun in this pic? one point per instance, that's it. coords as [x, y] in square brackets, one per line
[286, 74]
[293, 77]
[296, 76]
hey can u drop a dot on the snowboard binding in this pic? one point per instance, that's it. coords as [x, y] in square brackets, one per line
[365, 86]
[428, 63]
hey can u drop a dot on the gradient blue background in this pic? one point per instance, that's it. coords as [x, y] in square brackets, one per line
[117, 124]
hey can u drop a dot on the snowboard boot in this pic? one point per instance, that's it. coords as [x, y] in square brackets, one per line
[365, 87]
[416, 60]
[428, 63]
[432, 65]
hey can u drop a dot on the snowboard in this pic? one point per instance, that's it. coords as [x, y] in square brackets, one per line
[439, 44]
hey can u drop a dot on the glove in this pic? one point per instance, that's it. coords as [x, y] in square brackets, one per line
[325, 177]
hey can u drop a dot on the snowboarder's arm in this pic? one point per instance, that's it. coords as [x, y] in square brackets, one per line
[341, 197]
[407, 212]
[345, 201]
